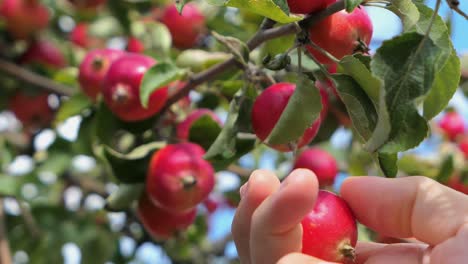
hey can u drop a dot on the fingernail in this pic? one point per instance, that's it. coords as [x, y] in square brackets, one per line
[295, 176]
[243, 190]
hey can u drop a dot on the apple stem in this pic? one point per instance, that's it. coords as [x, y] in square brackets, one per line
[348, 253]
[189, 181]
[97, 64]
[121, 94]
[361, 46]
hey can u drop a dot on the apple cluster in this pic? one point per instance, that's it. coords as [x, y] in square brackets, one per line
[178, 180]
[24, 19]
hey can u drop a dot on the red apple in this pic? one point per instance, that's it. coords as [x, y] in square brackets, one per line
[186, 28]
[267, 110]
[308, 6]
[452, 125]
[33, 111]
[94, 68]
[135, 45]
[24, 17]
[121, 89]
[183, 129]
[330, 230]
[161, 224]
[463, 145]
[321, 163]
[44, 53]
[458, 183]
[79, 35]
[341, 34]
[179, 178]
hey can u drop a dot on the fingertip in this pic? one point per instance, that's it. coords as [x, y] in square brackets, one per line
[260, 185]
[301, 177]
[295, 258]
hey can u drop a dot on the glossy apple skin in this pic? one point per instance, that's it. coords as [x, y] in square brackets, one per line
[329, 228]
[32, 110]
[453, 125]
[179, 178]
[267, 110]
[183, 129]
[94, 68]
[308, 6]
[456, 182]
[322, 163]
[135, 45]
[121, 89]
[186, 28]
[24, 18]
[79, 35]
[339, 34]
[161, 224]
[44, 53]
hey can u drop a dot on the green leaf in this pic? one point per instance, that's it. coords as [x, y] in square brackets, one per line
[131, 167]
[283, 5]
[238, 48]
[120, 10]
[138, 152]
[228, 147]
[199, 60]
[412, 164]
[445, 86]
[155, 37]
[204, 131]
[361, 110]
[123, 198]
[350, 5]
[407, 11]
[406, 64]
[57, 162]
[157, 77]
[10, 185]
[416, 17]
[273, 9]
[67, 76]
[374, 89]
[277, 63]
[388, 164]
[180, 5]
[446, 169]
[302, 110]
[71, 107]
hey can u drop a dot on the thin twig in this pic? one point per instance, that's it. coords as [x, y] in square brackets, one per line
[5, 253]
[30, 77]
[454, 5]
[29, 220]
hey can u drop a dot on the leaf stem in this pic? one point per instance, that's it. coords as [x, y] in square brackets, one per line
[324, 52]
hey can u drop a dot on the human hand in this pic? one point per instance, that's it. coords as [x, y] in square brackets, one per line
[267, 229]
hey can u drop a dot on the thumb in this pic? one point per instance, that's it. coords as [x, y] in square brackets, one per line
[298, 258]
